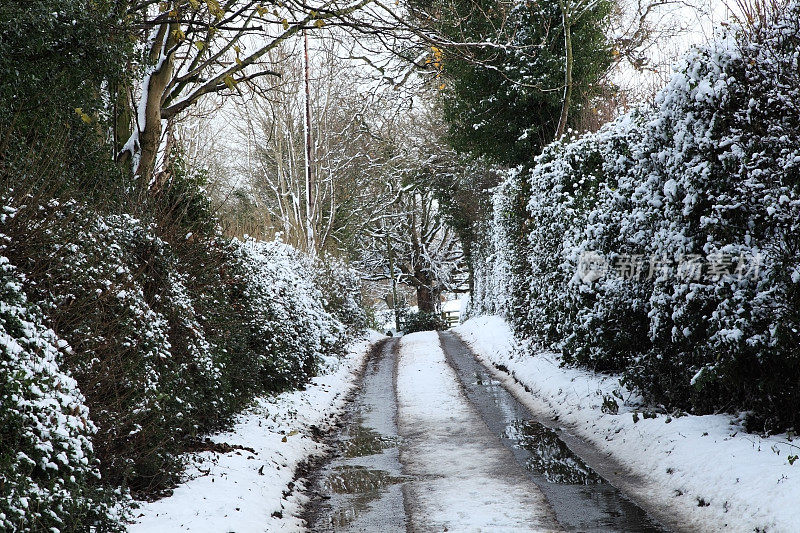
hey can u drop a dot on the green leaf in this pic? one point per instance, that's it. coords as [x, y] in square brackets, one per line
[229, 81]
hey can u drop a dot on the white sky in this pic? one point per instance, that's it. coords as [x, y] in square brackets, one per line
[700, 21]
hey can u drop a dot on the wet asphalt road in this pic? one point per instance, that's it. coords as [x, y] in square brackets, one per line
[373, 481]
[360, 489]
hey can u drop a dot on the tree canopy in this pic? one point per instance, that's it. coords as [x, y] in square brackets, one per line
[503, 93]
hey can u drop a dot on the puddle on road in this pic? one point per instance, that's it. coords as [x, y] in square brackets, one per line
[365, 441]
[360, 489]
[580, 498]
[549, 456]
[357, 479]
[364, 486]
[353, 489]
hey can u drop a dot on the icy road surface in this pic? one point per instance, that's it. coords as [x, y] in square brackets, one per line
[433, 443]
[463, 476]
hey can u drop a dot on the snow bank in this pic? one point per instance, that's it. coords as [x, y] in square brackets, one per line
[251, 487]
[703, 469]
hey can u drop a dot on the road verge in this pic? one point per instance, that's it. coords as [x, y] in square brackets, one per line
[703, 473]
[247, 478]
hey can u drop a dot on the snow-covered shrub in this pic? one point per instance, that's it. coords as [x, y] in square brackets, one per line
[563, 190]
[48, 470]
[610, 321]
[492, 283]
[203, 300]
[340, 285]
[113, 291]
[173, 327]
[700, 196]
[723, 182]
[413, 322]
[290, 330]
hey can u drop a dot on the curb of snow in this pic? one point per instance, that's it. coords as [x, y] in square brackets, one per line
[702, 473]
[252, 488]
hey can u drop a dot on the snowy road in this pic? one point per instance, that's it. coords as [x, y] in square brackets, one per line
[462, 475]
[434, 444]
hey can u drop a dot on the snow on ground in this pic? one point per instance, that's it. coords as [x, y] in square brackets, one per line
[705, 470]
[462, 477]
[251, 490]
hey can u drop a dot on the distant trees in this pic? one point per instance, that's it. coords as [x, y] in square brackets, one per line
[412, 241]
[348, 151]
[379, 167]
[379, 181]
[415, 246]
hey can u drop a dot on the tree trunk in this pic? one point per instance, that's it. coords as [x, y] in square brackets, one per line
[466, 247]
[425, 300]
[427, 294]
[150, 134]
[122, 116]
[309, 176]
[144, 151]
[568, 61]
[393, 278]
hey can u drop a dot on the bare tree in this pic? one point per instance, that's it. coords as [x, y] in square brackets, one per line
[412, 242]
[192, 48]
[415, 246]
[349, 152]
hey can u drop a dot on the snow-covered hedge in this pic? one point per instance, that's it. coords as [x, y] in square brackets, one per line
[138, 345]
[492, 254]
[115, 292]
[291, 330]
[48, 471]
[340, 284]
[666, 244]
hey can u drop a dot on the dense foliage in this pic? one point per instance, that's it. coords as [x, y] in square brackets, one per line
[48, 44]
[128, 325]
[167, 340]
[503, 100]
[665, 246]
[412, 322]
[48, 468]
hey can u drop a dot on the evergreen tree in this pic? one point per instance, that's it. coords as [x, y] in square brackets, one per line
[57, 60]
[503, 93]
